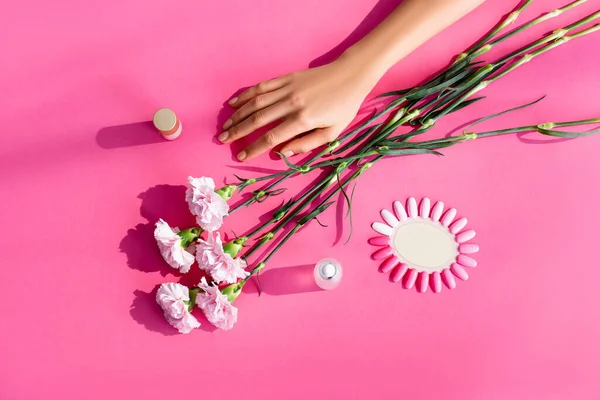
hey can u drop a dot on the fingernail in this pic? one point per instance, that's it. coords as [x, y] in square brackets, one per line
[241, 155]
[227, 124]
[288, 153]
[223, 136]
[232, 101]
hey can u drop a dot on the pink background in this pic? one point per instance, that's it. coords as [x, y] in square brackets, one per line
[83, 177]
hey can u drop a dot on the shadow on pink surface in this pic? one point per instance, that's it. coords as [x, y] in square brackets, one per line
[380, 11]
[285, 280]
[167, 202]
[135, 134]
[536, 138]
[160, 201]
[147, 313]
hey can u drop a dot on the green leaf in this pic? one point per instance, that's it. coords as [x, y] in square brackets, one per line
[351, 222]
[339, 181]
[502, 112]
[315, 212]
[466, 103]
[427, 91]
[394, 93]
[288, 163]
[320, 223]
[564, 134]
[356, 140]
[421, 145]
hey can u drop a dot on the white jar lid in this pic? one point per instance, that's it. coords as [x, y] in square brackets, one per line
[164, 120]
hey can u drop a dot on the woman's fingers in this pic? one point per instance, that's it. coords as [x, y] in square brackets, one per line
[256, 121]
[260, 88]
[311, 141]
[257, 103]
[284, 131]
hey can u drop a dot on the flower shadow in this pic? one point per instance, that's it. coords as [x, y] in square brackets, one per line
[168, 202]
[146, 312]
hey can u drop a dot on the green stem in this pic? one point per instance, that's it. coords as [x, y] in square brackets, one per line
[392, 124]
[573, 123]
[558, 38]
[536, 21]
[260, 228]
[557, 34]
[330, 147]
[319, 207]
[508, 20]
[282, 242]
[308, 197]
[472, 84]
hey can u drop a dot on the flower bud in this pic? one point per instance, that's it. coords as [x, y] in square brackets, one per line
[233, 291]
[189, 236]
[226, 191]
[235, 246]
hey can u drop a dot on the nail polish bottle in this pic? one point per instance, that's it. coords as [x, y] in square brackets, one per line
[328, 273]
[167, 123]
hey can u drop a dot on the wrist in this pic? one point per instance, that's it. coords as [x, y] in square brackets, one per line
[362, 66]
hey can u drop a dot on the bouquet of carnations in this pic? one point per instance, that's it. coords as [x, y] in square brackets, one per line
[349, 156]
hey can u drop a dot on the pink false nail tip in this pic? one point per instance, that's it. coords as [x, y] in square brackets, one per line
[400, 211]
[468, 248]
[423, 282]
[398, 272]
[379, 241]
[388, 264]
[425, 208]
[437, 211]
[389, 218]
[382, 253]
[458, 225]
[448, 279]
[382, 228]
[411, 278]
[449, 217]
[436, 282]
[459, 272]
[413, 211]
[466, 261]
[465, 236]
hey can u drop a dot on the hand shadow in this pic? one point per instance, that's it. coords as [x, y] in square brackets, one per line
[135, 134]
[285, 280]
[380, 11]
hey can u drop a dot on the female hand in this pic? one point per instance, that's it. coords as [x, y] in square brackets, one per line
[322, 101]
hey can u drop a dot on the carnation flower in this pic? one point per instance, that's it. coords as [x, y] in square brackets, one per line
[174, 299]
[218, 263]
[171, 247]
[216, 306]
[205, 203]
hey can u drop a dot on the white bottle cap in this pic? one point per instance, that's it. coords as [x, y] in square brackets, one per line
[328, 270]
[328, 273]
[166, 122]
